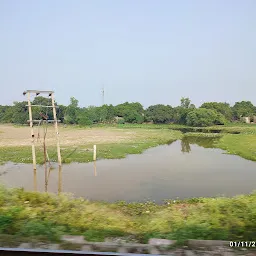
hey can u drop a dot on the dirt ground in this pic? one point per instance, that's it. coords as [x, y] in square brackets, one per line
[21, 136]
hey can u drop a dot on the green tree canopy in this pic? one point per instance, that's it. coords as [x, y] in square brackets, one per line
[204, 117]
[185, 102]
[6, 114]
[221, 107]
[71, 112]
[243, 108]
[159, 114]
[131, 112]
[20, 113]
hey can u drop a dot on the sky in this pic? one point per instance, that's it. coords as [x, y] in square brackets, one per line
[150, 51]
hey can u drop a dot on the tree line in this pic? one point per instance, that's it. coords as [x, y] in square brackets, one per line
[209, 113]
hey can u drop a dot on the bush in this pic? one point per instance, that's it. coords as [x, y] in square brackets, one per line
[133, 117]
[120, 121]
[204, 117]
[42, 228]
[84, 120]
[6, 223]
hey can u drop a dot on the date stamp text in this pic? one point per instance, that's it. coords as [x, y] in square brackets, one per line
[244, 244]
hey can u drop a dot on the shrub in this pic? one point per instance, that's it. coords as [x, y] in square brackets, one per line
[42, 228]
[120, 121]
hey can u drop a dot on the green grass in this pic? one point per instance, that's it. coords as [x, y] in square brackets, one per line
[143, 140]
[243, 145]
[33, 214]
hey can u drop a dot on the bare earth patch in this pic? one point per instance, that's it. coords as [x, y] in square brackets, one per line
[21, 136]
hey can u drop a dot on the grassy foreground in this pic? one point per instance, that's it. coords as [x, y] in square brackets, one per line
[32, 214]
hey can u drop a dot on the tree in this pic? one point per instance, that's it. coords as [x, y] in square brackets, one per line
[39, 100]
[61, 112]
[180, 114]
[185, 102]
[131, 112]
[221, 107]
[110, 113]
[72, 109]
[20, 113]
[106, 113]
[133, 117]
[6, 114]
[242, 109]
[204, 117]
[122, 109]
[83, 117]
[159, 114]
[42, 101]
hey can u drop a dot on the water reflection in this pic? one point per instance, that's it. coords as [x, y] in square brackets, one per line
[60, 180]
[186, 142]
[95, 168]
[185, 146]
[35, 181]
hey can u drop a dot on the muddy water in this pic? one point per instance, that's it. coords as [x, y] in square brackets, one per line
[183, 169]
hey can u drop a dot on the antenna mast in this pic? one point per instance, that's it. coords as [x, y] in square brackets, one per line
[102, 93]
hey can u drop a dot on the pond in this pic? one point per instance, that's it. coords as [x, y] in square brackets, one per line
[183, 169]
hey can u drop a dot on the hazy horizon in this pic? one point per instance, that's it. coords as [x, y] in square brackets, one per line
[152, 52]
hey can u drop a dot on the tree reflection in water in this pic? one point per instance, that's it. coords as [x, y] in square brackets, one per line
[185, 146]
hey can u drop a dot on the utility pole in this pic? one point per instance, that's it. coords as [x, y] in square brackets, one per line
[55, 121]
[32, 140]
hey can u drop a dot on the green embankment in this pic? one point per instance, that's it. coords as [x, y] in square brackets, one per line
[31, 214]
[243, 145]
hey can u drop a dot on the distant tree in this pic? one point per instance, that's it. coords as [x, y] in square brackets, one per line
[180, 114]
[131, 112]
[221, 107]
[122, 109]
[204, 117]
[42, 101]
[72, 109]
[242, 109]
[106, 113]
[83, 117]
[39, 100]
[185, 102]
[6, 114]
[133, 117]
[20, 113]
[110, 113]
[159, 114]
[94, 114]
[61, 112]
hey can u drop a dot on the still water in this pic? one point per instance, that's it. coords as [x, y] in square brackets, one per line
[183, 169]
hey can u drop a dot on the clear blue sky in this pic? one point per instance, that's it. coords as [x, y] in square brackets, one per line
[151, 51]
